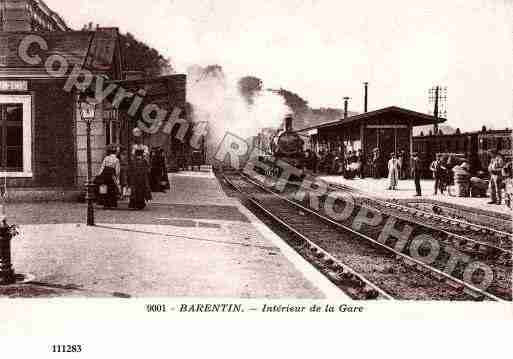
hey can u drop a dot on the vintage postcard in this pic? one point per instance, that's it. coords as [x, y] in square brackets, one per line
[183, 158]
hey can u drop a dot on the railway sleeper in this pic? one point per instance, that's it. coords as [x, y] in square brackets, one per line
[506, 259]
[438, 276]
[455, 285]
[476, 295]
[371, 294]
[408, 262]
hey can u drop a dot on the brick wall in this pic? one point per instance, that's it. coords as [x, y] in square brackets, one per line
[53, 138]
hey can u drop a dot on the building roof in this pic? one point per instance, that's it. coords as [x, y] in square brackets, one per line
[319, 116]
[418, 118]
[94, 50]
[165, 91]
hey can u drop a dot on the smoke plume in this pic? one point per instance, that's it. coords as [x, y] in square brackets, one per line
[218, 100]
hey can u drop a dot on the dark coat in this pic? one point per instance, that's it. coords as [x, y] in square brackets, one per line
[139, 183]
[416, 167]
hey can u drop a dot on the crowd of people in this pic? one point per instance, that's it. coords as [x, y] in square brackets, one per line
[132, 175]
[349, 164]
[452, 175]
[352, 164]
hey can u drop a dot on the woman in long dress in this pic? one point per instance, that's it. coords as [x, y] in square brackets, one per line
[123, 176]
[109, 179]
[393, 172]
[139, 182]
[159, 181]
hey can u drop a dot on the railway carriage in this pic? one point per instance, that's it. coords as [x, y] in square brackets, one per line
[499, 140]
[472, 147]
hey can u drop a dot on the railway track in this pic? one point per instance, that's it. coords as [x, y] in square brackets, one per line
[496, 222]
[468, 237]
[360, 265]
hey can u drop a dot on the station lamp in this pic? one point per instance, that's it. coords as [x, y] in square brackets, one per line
[87, 108]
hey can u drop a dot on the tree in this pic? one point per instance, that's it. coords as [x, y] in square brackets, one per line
[141, 57]
[249, 87]
[294, 101]
[138, 55]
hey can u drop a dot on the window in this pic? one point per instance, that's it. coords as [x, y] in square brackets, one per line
[112, 132]
[15, 136]
[11, 137]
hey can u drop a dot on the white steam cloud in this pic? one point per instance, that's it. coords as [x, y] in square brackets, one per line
[216, 99]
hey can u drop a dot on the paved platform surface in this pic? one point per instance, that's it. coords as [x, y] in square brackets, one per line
[193, 241]
[406, 190]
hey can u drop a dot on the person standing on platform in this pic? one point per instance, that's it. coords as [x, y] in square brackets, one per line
[400, 163]
[315, 161]
[495, 169]
[123, 173]
[416, 172]
[449, 174]
[361, 164]
[108, 179]
[140, 190]
[436, 168]
[374, 163]
[154, 178]
[165, 178]
[380, 163]
[393, 172]
[157, 171]
[139, 145]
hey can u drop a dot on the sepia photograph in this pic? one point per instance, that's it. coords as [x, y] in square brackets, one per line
[280, 157]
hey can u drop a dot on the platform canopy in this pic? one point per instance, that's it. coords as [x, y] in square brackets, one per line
[388, 129]
[385, 116]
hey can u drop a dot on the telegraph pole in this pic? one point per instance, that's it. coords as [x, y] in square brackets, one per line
[435, 111]
[438, 98]
[346, 106]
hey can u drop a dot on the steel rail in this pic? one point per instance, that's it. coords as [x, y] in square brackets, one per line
[326, 254]
[405, 257]
[414, 210]
[450, 219]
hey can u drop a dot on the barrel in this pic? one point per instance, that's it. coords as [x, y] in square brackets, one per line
[461, 182]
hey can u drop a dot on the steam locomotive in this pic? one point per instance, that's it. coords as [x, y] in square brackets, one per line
[287, 146]
[281, 146]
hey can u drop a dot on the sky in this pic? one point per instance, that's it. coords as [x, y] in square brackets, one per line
[325, 49]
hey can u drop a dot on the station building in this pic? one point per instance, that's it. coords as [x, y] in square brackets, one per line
[390, 129]
[29, 15]
[42, 134]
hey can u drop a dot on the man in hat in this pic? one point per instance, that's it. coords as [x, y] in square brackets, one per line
[393, 171]
[361, 164]
[416, 172]
[495, 169]
[375, 163]
[436, 168]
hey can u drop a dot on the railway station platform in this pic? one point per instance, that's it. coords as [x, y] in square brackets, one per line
[406, 191]
[192, 242]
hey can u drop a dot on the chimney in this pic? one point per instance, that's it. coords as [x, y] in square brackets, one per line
[366, 100]
[288, 123]
[346, 105]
